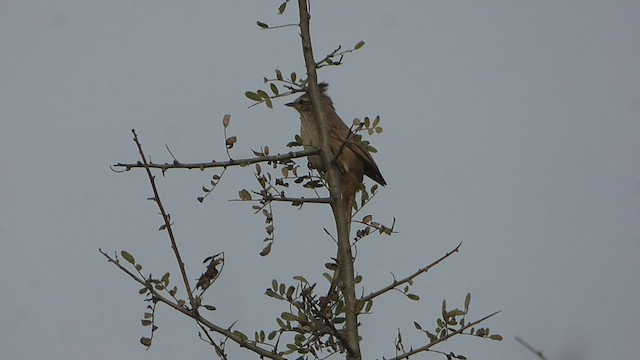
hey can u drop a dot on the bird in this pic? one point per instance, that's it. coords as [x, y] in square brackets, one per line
[353, 160]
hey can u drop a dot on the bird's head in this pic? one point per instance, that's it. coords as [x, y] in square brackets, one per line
[303, 103]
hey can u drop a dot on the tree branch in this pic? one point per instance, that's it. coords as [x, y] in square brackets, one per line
[215, 164]
[449, 335]
[396, 283]
[300, 200]
[167, 222]
[342, 219]
[194, 315]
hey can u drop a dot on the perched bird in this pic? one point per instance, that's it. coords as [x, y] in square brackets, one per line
[354, 160]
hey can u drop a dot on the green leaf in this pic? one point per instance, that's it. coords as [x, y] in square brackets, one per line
[244, 195]
[273, 294]
[417, 326]
[128, 257]
[262, 25]
[263, 94]
[288, 316]
[300, 278]
[467, 301]
[359, 45]
[145, 341]
[369, 305]
[496, 337]
[253, 96]
[431, 336]
[209, 307]
[293, 77]
[413, 297]
[274, 89]
[145, 322]
[240, 335]
[282, 8]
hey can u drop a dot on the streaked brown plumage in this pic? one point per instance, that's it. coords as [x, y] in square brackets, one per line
[354, 160]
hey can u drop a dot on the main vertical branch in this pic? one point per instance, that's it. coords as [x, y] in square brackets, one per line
[334, 179]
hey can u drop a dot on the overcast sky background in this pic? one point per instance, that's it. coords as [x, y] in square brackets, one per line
[512, 126]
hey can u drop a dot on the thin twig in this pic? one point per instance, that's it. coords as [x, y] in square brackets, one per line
[219, 351]
[278, 26]
[299, 200]
[530, 348]
[410, 277]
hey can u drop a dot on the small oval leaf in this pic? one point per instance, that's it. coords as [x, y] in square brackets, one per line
[244, 195]
[128, 257]
[225, 120]
[253, 96]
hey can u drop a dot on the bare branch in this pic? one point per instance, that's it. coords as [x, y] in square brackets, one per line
[215, 164]
[167, 221]
[293, 200]
[397, 283]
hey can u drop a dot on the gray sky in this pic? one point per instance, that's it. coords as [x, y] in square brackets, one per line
[510, 126]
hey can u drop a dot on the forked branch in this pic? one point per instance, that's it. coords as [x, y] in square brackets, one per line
[167, 221]
[194, 315]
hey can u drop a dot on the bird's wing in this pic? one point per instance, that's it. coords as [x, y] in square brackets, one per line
[370, 167]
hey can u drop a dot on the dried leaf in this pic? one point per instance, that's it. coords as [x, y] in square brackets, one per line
[225, 120]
